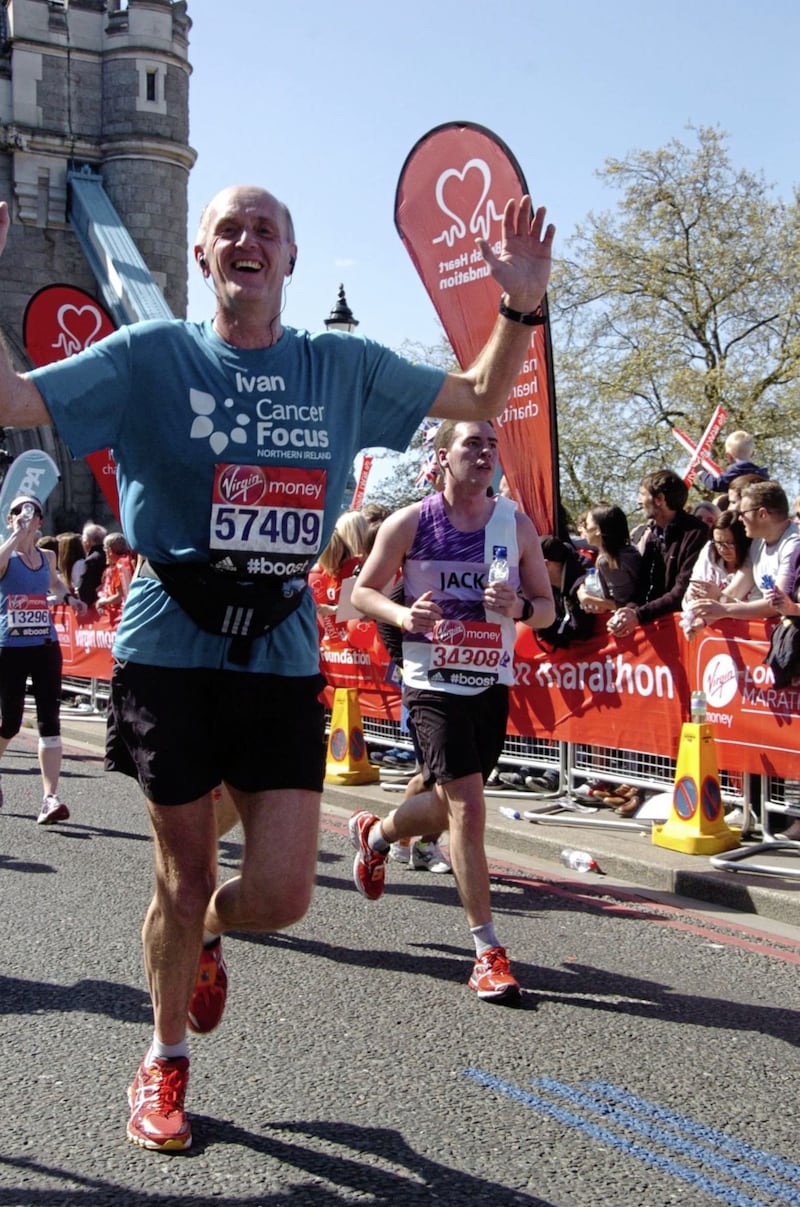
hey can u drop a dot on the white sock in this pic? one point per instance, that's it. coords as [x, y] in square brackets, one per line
[484, 938]
[161, 1051]
[376, 841]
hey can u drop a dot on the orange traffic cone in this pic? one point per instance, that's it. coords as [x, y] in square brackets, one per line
[696, 824]
[347, 761]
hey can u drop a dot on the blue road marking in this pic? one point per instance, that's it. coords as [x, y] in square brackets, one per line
[726, 1193]
[687, 1148]
[711, 1135]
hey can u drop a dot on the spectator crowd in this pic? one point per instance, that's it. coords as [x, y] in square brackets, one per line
[735, 555]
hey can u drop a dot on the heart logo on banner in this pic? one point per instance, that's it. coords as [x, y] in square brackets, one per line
[480, 221]
[79, 325]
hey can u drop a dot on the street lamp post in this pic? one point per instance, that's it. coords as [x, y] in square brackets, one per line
[341, 318]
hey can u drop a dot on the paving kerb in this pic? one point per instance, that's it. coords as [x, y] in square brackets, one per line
[625, 855]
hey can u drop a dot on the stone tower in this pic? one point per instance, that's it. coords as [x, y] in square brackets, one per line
[99, 86]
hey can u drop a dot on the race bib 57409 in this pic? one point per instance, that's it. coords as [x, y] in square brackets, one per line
[267, 519]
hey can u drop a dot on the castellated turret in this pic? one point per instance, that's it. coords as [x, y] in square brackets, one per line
[99, 87]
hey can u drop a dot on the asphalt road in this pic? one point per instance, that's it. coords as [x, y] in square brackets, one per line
[652, 1060]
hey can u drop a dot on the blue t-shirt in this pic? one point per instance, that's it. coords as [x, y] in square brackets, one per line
[225, 453]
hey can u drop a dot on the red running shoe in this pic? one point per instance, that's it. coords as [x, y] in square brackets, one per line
[491, 977]
[210, 991]
[369, 867]
[156, 1096]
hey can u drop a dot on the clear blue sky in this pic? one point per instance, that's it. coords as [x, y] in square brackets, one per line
[322, 102]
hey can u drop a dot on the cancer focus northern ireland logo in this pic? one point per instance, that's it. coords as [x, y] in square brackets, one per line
[720, 680]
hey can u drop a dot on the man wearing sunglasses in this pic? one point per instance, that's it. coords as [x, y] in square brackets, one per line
[764, 511]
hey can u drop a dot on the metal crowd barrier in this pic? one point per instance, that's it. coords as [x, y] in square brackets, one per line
[781, 798]
[575, 763]
[93, 694]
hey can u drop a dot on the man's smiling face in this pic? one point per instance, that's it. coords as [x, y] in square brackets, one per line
[246, 245]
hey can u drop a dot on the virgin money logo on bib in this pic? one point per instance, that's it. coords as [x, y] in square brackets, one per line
[244, 485]
[451, 631]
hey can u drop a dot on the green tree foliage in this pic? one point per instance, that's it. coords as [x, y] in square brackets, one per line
[685, 295]
[396, 487]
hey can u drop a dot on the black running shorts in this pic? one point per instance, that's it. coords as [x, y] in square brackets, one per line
[458, 735]
[180, 733]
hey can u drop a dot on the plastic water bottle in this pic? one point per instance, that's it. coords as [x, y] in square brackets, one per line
[579, 861]
[511, 814]
[498, 571]
[26, 511]
[592, 584]
[697, 708]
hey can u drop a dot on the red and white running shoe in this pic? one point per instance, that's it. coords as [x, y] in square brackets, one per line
[491, 977]
[369, 867]
[155, 1097]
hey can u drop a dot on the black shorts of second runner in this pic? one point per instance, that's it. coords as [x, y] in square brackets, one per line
[458, 735]
[180, 733]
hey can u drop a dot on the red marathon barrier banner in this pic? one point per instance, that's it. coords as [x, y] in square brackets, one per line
[756, 724]
[631, 694]
[85, 644]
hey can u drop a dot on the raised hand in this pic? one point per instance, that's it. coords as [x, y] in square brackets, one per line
[522, 267]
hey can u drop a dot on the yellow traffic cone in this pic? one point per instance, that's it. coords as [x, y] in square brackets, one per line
[347, 761]
[696, 824]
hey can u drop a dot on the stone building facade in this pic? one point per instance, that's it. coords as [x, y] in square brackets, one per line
[100, 85]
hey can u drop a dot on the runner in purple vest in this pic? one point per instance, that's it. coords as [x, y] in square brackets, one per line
[458, 644]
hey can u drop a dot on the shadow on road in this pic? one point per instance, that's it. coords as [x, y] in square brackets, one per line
[357, 1170]
[109, 998]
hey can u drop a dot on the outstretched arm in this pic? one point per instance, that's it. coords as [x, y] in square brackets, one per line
[522, 270]
[21, 404]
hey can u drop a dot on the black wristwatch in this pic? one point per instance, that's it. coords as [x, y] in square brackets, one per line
[534, 318]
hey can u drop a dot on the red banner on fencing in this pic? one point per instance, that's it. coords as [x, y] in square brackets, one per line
[85, 644]
[631, 695]
[628, 696]
[756, 724]
[453, 189]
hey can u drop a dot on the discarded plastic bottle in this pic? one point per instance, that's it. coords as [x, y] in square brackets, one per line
[511, 814]
[697, 708]
[498, 571]
[579, 861]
